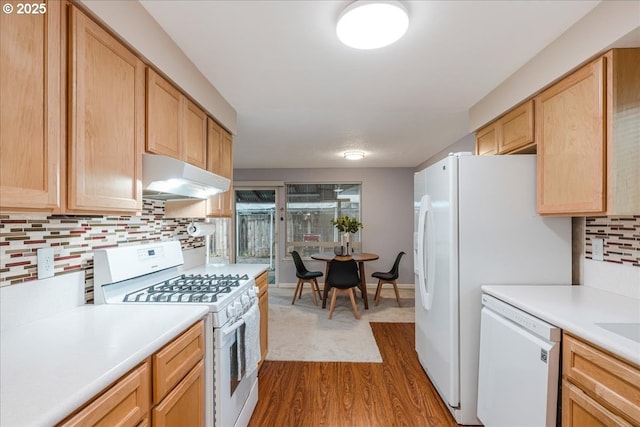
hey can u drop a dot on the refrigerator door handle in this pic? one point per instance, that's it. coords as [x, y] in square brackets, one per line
[426, 252]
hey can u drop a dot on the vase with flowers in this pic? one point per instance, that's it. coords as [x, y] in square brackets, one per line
[347, 226]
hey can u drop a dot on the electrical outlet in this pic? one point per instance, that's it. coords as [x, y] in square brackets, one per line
[597, 249]
[45, 263]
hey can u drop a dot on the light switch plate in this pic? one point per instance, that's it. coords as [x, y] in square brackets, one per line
[597, 249]
[45, 263]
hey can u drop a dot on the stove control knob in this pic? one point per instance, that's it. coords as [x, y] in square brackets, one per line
[238, 308]
[246, 301]
[231, 311]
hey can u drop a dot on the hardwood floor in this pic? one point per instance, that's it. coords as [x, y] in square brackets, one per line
[395, 392]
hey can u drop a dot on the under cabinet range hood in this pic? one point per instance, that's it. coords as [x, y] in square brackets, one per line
[166, 178]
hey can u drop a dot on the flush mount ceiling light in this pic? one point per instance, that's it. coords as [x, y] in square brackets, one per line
[372, 24]
[353, 155]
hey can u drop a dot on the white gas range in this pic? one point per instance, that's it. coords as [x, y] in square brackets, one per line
[151, 274]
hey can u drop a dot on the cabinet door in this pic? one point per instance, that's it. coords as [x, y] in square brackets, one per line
[486, 140]
[184, 405]
[124, 404]
[516, 128]
[214, 146]
[570, 133]
[31, 110]
[195, 121]
[164, 115]
[107, 121]
[226, 155]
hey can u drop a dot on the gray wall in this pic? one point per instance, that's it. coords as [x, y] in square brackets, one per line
[468, 143]
[387, 213]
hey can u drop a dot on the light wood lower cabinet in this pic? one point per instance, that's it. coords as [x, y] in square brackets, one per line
[262, 282]
[126, 403]
[172, 362]
[168, 388]
[580, 410]
[184, 405]
[598, 389]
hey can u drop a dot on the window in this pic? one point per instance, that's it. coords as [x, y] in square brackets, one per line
[310, 209]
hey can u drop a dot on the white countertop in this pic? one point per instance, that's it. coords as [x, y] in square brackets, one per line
[578, 310]
[51, 367]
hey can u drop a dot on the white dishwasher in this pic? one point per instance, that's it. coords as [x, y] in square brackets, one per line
[518, 367]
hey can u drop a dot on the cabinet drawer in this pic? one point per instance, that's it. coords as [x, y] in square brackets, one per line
[579, 410]
[126, 403]
[176, 359]
[609, 380]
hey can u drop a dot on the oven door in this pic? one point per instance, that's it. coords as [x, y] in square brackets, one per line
[233, 387]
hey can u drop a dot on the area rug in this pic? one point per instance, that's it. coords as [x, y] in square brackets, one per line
[303, 332]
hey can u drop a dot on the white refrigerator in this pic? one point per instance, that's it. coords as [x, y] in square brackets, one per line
[475, 224]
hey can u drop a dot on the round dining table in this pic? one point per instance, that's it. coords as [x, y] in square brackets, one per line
[360, 258]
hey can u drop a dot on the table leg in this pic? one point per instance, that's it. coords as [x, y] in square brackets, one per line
[363, 285]
[325, 292]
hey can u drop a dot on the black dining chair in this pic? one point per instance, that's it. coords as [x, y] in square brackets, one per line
[342, 278]
[388, 277]
[303, 276]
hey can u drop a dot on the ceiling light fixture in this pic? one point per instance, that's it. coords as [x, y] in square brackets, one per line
[353, 155]
[372, 24]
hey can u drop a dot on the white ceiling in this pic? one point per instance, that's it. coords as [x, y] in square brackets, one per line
[303, 98]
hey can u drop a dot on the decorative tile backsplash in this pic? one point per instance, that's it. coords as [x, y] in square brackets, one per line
[75, 238]
[621, 235]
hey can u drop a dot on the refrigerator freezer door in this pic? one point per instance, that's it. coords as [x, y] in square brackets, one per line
[437, 326]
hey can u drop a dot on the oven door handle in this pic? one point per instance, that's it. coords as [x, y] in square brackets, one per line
[228, 330]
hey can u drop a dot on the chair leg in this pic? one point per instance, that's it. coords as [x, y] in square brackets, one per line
[313, 292]
[395, 288]
[332, 306]
[298, 290]
[378, 290]
[353, 303]
[315, 281]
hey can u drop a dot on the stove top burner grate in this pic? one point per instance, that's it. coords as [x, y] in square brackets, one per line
[196, 288]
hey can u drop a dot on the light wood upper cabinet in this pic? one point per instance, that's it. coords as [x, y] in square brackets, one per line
[486, 140]
[220, 162]
[176, 127]
[510, 133]
[106, 111]
[589, 139]
[31, 111]
[220, 150]
[516, 128]
[164, 117]
[196, 135]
